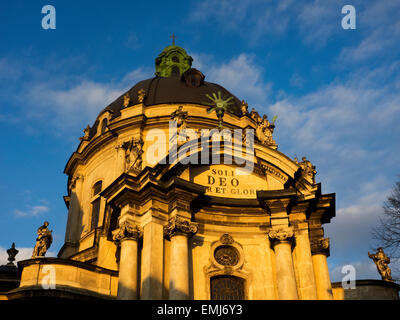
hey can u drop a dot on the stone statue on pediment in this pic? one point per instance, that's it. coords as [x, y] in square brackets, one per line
[133, 155]
[264, 131]
[127, 100]
[141, 95]
[308, 170]
[43, 241]
[381, 261]
[180, 117]
[244, 108]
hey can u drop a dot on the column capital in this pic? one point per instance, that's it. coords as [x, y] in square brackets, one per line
[320, 246]
[127, 230]
[283, 235]
[180, 226]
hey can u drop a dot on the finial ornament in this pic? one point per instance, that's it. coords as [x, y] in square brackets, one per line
[12, 252]
[381, 261]
[43, 241]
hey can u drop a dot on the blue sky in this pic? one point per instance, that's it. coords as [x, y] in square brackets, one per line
[335, 92]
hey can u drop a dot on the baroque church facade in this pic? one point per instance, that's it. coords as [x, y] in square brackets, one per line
[178, 191]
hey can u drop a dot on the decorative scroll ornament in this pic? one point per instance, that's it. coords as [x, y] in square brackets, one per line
[141, 95]
[307, 169]
[86, 132]
[128, 230]
[180, 226]
[43, 241]
[133, 155]
[226, 239]
[381, 261]
[320, 246]
[219, 104]
[281, 235]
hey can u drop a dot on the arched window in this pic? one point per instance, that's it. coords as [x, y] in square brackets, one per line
[175, 59]
[95, 205]
[227, 288]
[175, 72]
[104, 125]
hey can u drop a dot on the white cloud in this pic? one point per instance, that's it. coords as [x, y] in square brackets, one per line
[364, 270]
[23, 254]
[240, 75]
[380, 28]
[32, 211]
[76, 102]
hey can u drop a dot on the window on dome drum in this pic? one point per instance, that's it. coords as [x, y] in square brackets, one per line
[104, 125]
[95, 205]
[175, 59]
[175, 72]
[227, 288]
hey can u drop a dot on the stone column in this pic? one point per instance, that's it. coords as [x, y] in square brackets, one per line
[152, 260]
[304, 263]
[178, 231]
[281, 240]
[127, 236]
[320, 251]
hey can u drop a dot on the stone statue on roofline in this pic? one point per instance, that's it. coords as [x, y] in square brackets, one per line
[307, 169]
[381, 261]
[43, 241]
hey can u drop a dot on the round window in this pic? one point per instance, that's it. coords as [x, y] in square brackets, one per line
[226, 256]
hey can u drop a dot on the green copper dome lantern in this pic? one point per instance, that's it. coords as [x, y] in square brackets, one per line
[173, 62]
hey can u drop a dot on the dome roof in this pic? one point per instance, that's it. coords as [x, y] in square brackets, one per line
[175, 82]
[164, 90]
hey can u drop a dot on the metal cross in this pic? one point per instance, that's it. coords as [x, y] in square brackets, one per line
[173, 37]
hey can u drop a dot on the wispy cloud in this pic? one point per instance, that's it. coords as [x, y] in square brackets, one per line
[240, 75]
[316, 21]
[380, 29]
[32, 211]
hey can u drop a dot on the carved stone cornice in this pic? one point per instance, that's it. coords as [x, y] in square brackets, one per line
[283, 235]
[128, 230]
[180, 226]
[320, 246]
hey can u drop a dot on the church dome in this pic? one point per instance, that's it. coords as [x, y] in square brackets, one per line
[175, 81]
